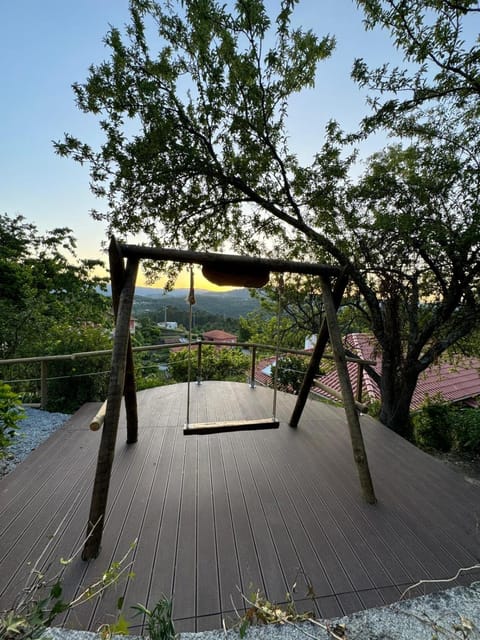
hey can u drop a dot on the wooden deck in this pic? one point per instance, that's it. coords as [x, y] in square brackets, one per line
[220, 515]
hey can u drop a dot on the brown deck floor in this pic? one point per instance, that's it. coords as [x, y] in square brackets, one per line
[219, 515]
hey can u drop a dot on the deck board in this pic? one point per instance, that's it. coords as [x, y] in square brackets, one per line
[220, 515]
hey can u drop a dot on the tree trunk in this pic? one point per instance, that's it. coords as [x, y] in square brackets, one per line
[397, 387]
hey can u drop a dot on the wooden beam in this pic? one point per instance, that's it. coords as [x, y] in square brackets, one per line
[358, 446]
[317, 355]
[230, 425]
[334, 393]
[217, 260]
[114, 400]
[99, 419]
[117, 276]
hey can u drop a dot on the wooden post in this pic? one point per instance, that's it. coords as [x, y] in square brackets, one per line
[117, 276]
[252, 370]
[43, 384]
[312, 370]
[114, 400]
[199, 362]
[359, 453]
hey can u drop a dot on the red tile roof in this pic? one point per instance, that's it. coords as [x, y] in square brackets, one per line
[453, 382]
[217, 335]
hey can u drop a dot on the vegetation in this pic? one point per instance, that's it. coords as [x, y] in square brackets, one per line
[50, 304]
[42, 601]
[291, 372]
[10, 415]
[217, 364]
[443, 427]
[213, 164]
[159, 620]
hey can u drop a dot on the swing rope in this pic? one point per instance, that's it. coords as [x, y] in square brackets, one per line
[277, 347]
[191, 302]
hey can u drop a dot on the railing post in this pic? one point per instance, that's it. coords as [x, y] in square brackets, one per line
[252, 370]
[43, 384]
[199, 362]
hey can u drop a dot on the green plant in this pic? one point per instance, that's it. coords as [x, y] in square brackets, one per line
[41, 601]
[466, 430]
[291, 372]
[159, 619]
[433, 426]
[10, 414]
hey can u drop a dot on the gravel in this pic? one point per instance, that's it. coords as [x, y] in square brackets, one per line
[36, 427]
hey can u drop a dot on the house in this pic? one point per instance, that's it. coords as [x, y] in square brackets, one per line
[217, 335]
[172, 326]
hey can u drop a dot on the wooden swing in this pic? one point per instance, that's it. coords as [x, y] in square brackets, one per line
[229, 276]
[228, 269]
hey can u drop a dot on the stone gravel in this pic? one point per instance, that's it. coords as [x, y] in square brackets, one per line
[36, 427]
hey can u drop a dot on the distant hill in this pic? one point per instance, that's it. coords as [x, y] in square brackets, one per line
[231, 304]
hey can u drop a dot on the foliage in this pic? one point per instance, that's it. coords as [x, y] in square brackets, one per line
[49, 304]
[261, 611]
[444, 427]
[290, 372]
[433, 426]
[10, 415]
[74, 382]
[42, 600]
[196, 153]
[439, 41]
[159, 620]
[466, 431]
[224, 363]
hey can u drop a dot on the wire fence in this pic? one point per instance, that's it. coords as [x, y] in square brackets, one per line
[37, 379]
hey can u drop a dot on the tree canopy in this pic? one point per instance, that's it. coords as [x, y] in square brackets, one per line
[50, 304]
[193, 104]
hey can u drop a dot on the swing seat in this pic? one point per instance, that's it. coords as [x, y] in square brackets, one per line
[230, 425]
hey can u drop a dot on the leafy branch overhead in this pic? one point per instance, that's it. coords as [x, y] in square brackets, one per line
[206, 113]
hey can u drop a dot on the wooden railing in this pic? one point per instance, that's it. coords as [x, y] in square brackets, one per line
[254, 348]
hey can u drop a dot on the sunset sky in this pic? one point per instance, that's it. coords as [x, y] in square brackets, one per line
[46, 46]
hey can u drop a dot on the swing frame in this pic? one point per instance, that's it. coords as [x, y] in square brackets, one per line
[122, 377]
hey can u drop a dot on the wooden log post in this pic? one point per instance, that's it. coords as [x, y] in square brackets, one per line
[114, 400]
[199, 362]
[117, 276]
[358, 446]
[43, 384]
[252, 369]
[312, 370]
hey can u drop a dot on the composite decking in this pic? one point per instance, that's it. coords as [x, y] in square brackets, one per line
[219, 515]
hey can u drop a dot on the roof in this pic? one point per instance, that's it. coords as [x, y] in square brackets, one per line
[457, 381]
[217, 335]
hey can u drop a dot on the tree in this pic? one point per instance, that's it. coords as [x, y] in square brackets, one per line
[49, 300]
[208, 161]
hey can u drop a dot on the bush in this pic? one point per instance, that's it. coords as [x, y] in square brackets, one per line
[10, 414]
[466, 431]
[433, 426]
[444, 427]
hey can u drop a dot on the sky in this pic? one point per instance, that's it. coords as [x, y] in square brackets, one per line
[47, 45]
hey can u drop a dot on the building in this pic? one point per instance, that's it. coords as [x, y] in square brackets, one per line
[217, 335]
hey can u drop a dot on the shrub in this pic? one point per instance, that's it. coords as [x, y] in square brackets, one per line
[466, 430]
[445, 427]
[10, 414]
[433, 427]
